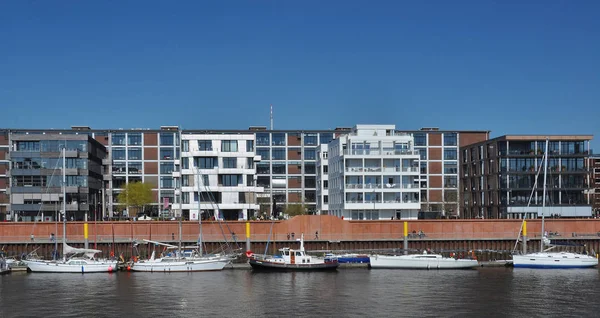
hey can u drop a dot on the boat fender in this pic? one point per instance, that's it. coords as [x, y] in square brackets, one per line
[112, 254]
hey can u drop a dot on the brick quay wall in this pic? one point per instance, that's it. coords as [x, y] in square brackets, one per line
[491, 238]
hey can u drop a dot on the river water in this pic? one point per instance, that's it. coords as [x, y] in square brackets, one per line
[493, 292]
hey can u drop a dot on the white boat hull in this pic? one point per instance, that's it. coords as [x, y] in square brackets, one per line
[415, 262]
[180, 266]
[554, 260]
[60, 267]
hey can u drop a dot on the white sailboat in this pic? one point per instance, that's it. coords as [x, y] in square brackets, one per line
[546, 259]
[75, 260]
[421, 261]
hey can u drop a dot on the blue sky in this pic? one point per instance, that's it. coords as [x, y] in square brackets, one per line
[512, 67]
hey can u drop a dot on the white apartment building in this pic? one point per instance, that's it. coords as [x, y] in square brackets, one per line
[322, 180]
[218, 176]
[373, 174]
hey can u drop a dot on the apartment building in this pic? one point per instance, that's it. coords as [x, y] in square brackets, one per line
[594, 164]
[500, 174]
[322, 180]
[218, 176]
[36, 176]
[374, 174]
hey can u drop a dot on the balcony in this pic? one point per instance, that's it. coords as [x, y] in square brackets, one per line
[354, 186]
[380, 152]
[411, 169]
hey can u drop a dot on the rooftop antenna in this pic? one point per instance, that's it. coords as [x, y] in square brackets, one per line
[271, 116]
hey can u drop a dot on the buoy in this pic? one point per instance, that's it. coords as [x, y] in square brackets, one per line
[110, 269]
[249, 254]
[128, 268]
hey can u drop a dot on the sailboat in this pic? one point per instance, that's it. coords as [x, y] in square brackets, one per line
[546, 259]
[184, 259]
[75, 260]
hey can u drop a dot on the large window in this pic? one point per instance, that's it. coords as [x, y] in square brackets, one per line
[278, 154]
[450, 182]
[134, 139]
[185, 144]
[309, 168]
[249, 145]
[450, 168]
[166, 153]
[278, 168]
[449, 154]
[28, 146]
[229, 163]
[278, 139]
[262, 139]
[420, 139]
[206, 162]
[422, 153]
[326, 138]
[166, 182]
[118, 153]
[229, 145]
[310, 139]
[134, 167]
[263, 168]
[118, 139]
[263, 153]
[450, 139]
[134, 153]
[167, 139]
[205, 145]
[230, 180]
[185, 163]
[310, 154]
[166, 167]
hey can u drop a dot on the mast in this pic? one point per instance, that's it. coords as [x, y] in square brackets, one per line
[199, 211]
[544, 195]
[180, 196]
[64, 203]
[55, 231]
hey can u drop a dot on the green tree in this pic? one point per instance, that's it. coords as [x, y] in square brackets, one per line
[295, 209]
[136, 196]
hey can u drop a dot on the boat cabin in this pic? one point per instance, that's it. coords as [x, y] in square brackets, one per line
[291, 256]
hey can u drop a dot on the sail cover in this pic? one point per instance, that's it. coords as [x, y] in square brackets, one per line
[72, 250]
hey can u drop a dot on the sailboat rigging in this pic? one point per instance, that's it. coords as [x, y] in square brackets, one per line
[544, 258]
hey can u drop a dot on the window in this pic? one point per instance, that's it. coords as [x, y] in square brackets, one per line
[263, 153]
[28, 146]
[264, 181]
[118, 139]
[450, 139]
[185, 198]
[135, 167]
[205, 145]
[450, 182]
[185, 163]
[309, 168]
[166, 153]
[229, 163]
[262, 139]
[449, 154]
[423, 168]
[263, 168]
[166, 182]
[325, 199]
[249, 145]
[166, 167]
[205, 181]
[326, 138]
[420, 139]
[422, 153]
[167, 139]
[278, 139]
[325, 169]
[134, 153]
[310, 139]
[326, 184]
[230, 180]
[229, 146]
[185, 145]
[119, 168]
[118, 154]
[278, 154]
[250, 163]
[205, 162]
[134, 139]
[450, 168]
[278, 168]
[310, 154]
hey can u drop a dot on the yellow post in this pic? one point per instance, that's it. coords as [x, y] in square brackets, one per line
[405, 237]
[524, 228]
[85, 231]
[248, 236]
[524, 237]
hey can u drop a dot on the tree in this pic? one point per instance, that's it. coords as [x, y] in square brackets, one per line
[295, 209]
[135, 195]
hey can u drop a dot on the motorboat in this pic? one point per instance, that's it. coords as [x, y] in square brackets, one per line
[292, 260]
[421, 261]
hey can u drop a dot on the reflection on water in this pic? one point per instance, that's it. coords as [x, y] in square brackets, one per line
[345, 293]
